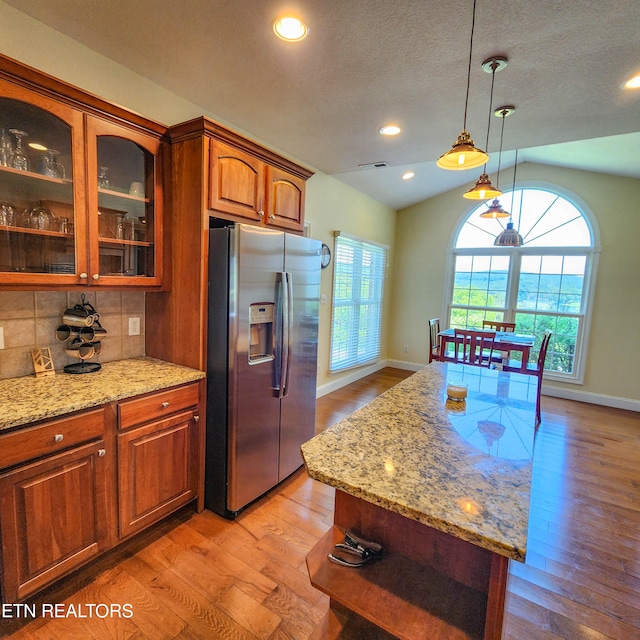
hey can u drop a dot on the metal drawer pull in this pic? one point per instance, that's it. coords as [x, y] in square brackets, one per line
[165, 405]
[58, 437]
[102, 453]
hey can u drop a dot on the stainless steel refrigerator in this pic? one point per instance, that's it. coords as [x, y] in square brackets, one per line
[264, 294]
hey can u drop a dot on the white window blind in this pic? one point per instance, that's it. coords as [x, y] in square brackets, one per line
[358, 286]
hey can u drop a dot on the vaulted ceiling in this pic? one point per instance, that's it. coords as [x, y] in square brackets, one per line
[366, 63]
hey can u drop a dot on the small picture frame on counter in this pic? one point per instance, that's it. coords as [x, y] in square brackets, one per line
[42, 362]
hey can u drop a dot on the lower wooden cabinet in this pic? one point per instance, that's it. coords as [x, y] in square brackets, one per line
[53, 518]
[157, 470]
[72, 487]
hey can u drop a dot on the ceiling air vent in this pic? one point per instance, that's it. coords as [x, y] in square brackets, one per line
[374, 165]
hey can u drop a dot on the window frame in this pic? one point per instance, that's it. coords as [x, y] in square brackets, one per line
[353, 363]
[516, 253]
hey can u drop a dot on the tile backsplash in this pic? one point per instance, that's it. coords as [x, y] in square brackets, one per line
[30, 318]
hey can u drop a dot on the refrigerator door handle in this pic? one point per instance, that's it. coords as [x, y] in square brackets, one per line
[280, 335]
[288, 326]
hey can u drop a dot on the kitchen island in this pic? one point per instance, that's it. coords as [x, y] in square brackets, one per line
[443, 487]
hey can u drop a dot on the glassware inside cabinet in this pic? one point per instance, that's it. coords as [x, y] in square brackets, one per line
[126, 208]
[37, 208]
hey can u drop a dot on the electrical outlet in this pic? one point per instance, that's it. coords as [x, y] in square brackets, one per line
[406, 348]
[134, 326]
[1, 337]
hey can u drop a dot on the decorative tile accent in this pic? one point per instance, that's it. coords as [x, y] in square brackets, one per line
[29, 319]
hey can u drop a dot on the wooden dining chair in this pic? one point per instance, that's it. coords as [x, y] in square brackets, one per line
[434, 340]
[473, 347]
[498, 325]
[537, 369]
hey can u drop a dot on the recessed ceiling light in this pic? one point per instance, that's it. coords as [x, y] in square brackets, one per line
[290, 28]
[408, 175]
[633, 83]
[390, 130]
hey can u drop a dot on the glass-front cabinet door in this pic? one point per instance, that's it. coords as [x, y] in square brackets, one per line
[124, 199]
[41, 188]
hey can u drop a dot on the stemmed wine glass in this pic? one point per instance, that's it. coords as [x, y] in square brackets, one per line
[103, 178]
[6, 148]
[50, 166]
[19, 159]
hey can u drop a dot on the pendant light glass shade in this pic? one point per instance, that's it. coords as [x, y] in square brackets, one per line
[495, 210]
[463, 155]
[509, 237]
[483, 190]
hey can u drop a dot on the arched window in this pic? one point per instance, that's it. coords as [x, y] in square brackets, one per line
[545, 283]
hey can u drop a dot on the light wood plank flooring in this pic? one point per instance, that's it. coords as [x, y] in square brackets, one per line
[198, 576]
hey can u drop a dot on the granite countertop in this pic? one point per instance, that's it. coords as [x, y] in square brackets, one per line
[30, 399]
[462, 468]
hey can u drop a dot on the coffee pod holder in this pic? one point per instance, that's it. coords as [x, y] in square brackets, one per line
[81, 331]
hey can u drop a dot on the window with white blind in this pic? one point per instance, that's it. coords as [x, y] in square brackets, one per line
[359, 269]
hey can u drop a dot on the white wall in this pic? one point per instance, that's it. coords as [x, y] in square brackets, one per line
[332, 206]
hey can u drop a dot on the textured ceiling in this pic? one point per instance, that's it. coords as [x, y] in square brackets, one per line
[369, 62]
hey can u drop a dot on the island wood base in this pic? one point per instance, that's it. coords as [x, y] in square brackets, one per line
[428, 584]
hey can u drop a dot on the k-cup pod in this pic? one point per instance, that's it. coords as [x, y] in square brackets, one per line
[97, 347]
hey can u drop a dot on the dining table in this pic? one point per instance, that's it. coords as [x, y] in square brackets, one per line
[504, 342]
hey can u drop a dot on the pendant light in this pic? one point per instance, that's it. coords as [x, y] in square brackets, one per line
[463, 154]
[495, 210]
[510, 237]
[483, 189]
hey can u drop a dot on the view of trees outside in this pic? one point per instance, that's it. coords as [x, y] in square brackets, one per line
[548, 291]
[356, 324]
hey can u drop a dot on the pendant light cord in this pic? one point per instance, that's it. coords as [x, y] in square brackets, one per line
[504, 115]
[513, 190]
[494, 66]
[466, 102]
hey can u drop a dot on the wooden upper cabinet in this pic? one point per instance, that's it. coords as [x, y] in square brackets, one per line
[285, 200]
[241, 180]
[236, 182]
[124, 196]
[42, 212]
[80, 187]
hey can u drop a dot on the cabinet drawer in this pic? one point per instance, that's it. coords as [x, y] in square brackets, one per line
[33, 442]
[157, 405]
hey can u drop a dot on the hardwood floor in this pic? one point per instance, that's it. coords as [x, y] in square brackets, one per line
[198, 576]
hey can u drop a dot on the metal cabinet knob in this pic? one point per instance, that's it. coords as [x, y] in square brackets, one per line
[196, 418]
[83, 276]
[260, 213]
[102, 453]
[58, 437]
[96, 276]
[272, 216]
[165, 405]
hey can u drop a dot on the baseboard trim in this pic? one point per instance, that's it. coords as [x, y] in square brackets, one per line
[591, 398]
[567, 394]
